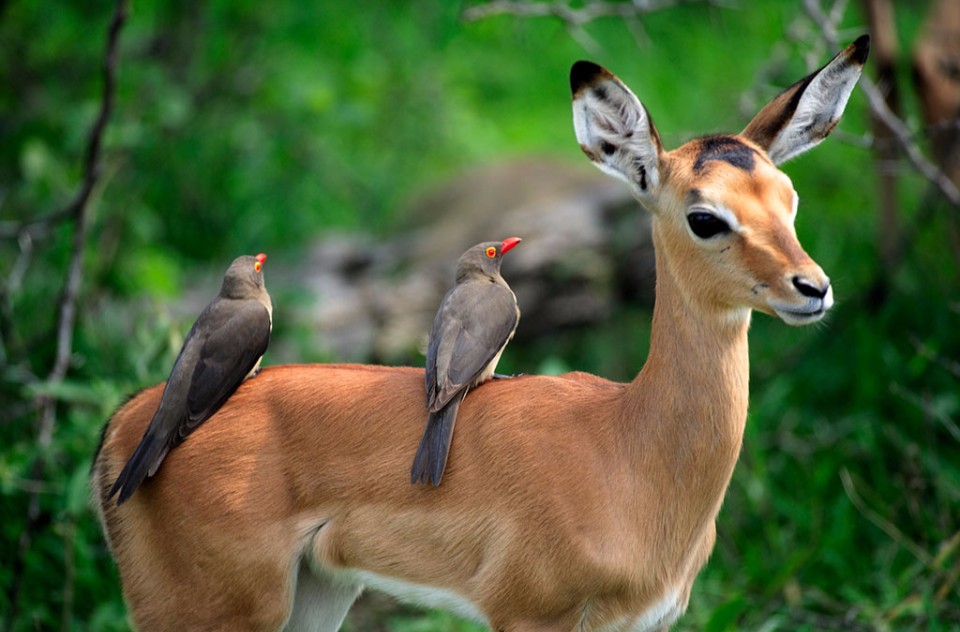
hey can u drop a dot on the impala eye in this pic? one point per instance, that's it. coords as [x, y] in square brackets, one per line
[706, 225]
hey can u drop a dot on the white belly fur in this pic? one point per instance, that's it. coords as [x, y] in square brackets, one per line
[429, 596]
[660, 614]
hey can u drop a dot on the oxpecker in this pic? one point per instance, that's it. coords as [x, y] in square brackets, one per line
[224, 348]
[476, 320]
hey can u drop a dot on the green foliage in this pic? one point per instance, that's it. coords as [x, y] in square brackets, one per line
[245, 127]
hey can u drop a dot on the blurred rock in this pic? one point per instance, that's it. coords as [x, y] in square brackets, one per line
[586, 248]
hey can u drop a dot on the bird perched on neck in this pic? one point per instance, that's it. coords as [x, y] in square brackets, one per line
[476, 320]
[223, 348]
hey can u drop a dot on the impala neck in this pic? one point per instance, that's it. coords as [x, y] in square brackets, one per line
[688, 406]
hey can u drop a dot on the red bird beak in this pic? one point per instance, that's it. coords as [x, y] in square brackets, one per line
[261, 258]
[509, 243]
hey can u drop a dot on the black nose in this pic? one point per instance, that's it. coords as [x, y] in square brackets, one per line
[807, 289]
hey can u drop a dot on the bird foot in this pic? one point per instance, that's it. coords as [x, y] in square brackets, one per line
[500, 376]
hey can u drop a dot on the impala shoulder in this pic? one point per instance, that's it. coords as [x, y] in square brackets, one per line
[330, 370]
[588, 378]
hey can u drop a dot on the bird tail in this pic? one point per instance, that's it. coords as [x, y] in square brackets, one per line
[431, 458]
[142, 463]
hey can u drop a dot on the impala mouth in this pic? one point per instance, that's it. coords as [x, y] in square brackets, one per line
[804, 314]
[800, 317]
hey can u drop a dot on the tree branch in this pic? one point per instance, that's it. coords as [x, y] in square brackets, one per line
[572, 16]
[924, 351]
[91, 163]
[37, 225]
[882, 523]
[821, 621]
[77, 211]
[10, 350]
[928, 409]
[879, 108]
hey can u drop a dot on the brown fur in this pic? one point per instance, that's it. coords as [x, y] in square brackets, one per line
[620, 482]
[568, 503]
[312, 460]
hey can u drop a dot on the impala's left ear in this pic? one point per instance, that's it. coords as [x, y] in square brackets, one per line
[614, 129]
[806, 112]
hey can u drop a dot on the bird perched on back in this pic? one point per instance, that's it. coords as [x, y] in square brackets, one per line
[476, 320]
[224, 347]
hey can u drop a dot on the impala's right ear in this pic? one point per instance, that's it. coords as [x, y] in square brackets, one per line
[802, 115]
[614, 129]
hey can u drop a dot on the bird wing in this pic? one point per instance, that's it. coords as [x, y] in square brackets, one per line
[472, 327]
[430, 375]
[228, 354]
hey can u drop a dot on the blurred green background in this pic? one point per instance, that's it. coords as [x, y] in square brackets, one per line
[244, 126]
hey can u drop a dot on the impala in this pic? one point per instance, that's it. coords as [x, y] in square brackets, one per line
[569, 502]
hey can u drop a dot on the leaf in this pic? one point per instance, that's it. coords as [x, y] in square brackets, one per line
[66, 391]
[725, 617]
[76, 494]
[552, 365]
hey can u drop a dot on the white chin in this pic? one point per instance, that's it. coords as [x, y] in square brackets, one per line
[800, 318]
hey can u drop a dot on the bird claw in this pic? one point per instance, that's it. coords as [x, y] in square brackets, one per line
[500, 376]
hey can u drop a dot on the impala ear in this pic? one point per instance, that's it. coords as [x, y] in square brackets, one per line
[806, 112]
[614, 129]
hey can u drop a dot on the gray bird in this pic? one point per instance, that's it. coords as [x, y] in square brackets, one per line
[476, 320]
[224, 347]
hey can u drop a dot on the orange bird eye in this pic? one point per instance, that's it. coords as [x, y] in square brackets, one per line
[491, 252]
[256, 266]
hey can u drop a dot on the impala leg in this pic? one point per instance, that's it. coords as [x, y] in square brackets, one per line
[242, 583]
[258, 602]
[569, 622]
[320, 603]
[537, 627]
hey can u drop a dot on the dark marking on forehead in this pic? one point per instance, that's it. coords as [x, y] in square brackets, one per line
[693, 196]
[727, 149]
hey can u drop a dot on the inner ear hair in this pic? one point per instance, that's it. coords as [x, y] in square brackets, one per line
[614, 129]
[805, 113]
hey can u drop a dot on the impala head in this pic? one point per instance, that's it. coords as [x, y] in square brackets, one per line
[724, 211]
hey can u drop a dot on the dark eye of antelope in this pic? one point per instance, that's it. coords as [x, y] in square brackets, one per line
[706, 225]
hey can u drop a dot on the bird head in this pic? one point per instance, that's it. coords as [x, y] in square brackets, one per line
[244, 277]
[484, 258]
